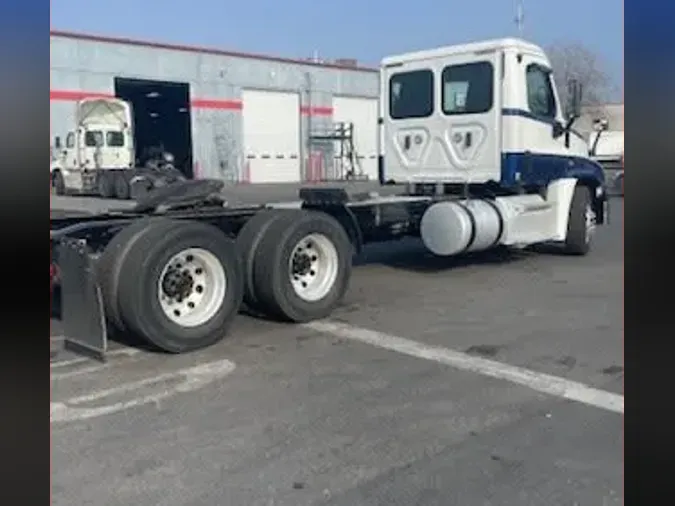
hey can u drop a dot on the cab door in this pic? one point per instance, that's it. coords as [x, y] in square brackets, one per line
[544, 130]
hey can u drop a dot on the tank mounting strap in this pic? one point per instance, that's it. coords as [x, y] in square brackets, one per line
[502, 225]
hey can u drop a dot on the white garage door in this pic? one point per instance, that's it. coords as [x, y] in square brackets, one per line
[362, 112]
[271, 136]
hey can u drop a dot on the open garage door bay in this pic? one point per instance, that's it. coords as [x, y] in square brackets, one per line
[271, 136]
[362, 113]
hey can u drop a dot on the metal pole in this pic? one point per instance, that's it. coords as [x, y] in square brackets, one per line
[520, 17]
[308, 134]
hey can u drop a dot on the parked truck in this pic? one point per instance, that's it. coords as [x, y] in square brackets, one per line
[99, 156]
[476, 135]
[606, 148]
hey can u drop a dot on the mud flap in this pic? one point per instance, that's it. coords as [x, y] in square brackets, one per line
[82, 311]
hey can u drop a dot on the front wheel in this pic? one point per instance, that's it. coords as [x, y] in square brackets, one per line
[58, 183]
[581, 223]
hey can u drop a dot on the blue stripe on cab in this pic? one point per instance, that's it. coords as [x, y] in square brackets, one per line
[522, 113]
[540, 169]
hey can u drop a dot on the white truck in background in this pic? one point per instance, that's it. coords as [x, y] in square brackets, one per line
[99, 155]
[606, 148]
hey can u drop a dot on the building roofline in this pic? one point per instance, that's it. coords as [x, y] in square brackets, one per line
[202, 50]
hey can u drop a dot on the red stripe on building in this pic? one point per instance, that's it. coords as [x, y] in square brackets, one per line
[317, 111]
[73, 96]
[197, 103]
[223, 105]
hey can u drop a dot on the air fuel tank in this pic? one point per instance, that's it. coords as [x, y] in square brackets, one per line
[453, 227]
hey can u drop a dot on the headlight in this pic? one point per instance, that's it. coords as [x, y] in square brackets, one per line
[168, 157]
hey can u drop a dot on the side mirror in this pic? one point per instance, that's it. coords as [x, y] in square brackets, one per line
[57, 142]
[574, 96]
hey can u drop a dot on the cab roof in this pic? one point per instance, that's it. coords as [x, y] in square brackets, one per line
[471, 47]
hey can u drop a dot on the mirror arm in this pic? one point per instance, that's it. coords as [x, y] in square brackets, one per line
[568, 128]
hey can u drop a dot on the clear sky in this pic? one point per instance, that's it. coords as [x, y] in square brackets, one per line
[363, 29]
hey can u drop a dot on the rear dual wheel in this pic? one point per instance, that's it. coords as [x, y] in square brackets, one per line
[179, 284]
[298, 264]
[176, 284]
[113, 184]
[122, 188]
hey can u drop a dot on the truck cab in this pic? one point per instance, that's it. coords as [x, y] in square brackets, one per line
[101, 140]
[479, 113]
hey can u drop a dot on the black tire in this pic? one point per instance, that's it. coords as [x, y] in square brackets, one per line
[58, 183]
[109, 265]
[578, 240]
[122, 190]
[248, 239]
[106, 184]
[618, 185]
[271, 276]
[138, 296]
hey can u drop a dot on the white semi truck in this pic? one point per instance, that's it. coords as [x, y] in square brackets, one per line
[476, 134]
[99, 155]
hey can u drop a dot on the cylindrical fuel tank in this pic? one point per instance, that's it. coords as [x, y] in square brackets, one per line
[452, 227]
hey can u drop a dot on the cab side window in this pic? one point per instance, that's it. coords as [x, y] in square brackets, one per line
[468, 88]
[411, 94]
[70, 140]
[540, 96]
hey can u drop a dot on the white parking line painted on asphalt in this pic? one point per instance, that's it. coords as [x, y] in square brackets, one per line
[80, 367]
[540, 382]
[190, 379]
[80, 371]
[78, 360]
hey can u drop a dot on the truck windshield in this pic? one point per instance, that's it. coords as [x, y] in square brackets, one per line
[114, 139]
[93, 139]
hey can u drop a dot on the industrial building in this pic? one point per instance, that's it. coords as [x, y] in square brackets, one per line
[237, 117]
[612, 113]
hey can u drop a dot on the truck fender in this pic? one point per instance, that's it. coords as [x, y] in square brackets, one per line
[559, 193]
[345, 217]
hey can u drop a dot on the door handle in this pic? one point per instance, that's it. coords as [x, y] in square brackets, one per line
[406, 142]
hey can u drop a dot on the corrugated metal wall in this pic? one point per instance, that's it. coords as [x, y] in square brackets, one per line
[81, 66]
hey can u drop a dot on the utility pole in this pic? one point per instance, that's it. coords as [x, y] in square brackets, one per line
[520, 17]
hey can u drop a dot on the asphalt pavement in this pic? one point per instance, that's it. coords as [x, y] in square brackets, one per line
[490, 380]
